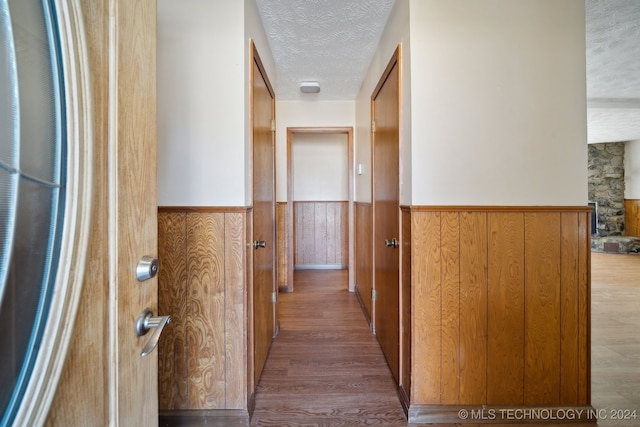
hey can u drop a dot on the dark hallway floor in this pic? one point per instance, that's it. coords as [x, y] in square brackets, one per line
[325, 368]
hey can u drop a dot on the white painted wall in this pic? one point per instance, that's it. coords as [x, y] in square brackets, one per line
[203, 100]
[498, 102]
[395, 33]
[201, 149]
[253, 31]
[494, 113]
[632, 170]
[320, 167]
[305, 114]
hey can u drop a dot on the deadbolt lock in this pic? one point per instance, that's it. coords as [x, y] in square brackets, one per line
[147, 268]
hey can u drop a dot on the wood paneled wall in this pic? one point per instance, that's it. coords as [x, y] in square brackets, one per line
[364, 255]
[501, 306]
[203, 360]
[283, 244]
[632, 217]
[321, 234]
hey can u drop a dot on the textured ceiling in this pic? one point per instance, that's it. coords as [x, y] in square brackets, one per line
[332, 42]
[329, 41]
[613, 70]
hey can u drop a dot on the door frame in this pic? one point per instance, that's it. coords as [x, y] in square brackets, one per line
[291, 133]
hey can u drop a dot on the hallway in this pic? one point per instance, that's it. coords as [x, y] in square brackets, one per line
[325, 368]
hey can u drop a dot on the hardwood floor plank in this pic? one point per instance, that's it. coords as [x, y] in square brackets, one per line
[615, 336]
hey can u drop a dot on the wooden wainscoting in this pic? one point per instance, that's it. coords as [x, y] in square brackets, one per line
[501, 308]
[282, 230]
[321, 238]
[632, 217]
[364, 256]
[203, 362]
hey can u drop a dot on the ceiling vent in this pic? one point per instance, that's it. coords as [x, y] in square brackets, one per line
[309, 87]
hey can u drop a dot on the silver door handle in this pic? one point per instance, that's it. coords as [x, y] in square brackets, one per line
[146, 321]
[259, 244]
[393, 243]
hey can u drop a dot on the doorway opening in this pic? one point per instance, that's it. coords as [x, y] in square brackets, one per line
[320, 211]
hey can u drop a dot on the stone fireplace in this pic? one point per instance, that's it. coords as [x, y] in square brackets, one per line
[606, 190]
[606, 186]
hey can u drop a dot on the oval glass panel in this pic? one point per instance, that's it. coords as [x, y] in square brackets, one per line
[32, 187]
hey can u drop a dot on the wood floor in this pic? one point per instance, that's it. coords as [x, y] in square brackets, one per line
[615, 337]
[326, 369]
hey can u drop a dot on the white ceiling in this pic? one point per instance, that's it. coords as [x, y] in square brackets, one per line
[332, 42]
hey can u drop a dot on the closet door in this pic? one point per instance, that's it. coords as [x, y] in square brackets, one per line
[264, 243]
[386, 209]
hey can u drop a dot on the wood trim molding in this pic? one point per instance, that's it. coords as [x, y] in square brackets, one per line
[319, 130]
[316, 201]
[204, 209]
[256, 57]
[461, 208]
[393, 61]
[483, 414]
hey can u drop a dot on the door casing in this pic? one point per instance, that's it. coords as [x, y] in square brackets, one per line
[291, 133]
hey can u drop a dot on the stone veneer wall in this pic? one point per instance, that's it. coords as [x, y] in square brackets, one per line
[606, 186]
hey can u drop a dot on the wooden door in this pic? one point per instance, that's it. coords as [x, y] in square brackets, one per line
[386, 209]
[105, 380]
[263, 215]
